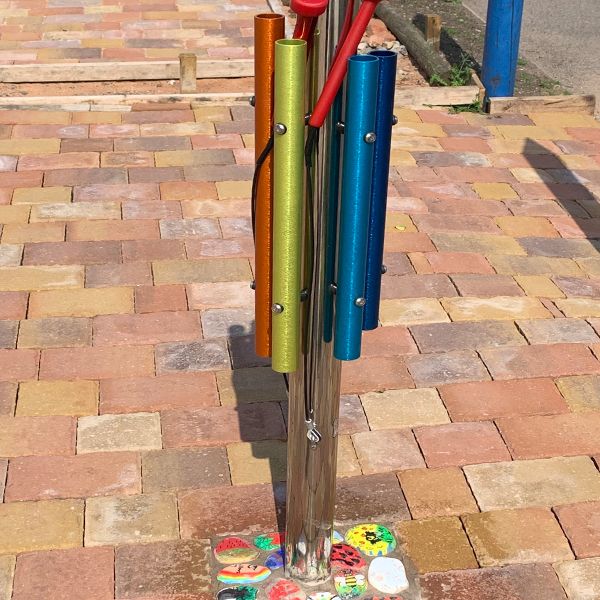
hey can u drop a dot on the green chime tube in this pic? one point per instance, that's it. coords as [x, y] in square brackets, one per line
[288, 193]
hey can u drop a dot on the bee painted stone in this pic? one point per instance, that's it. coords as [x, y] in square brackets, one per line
[349, 584]
[323, 596]
[270, 541]
[239, 574]
[284, 589]
[387, 575]
[346, 557]
[275, 560]
[234, 550]
[240, 592]
[371, 539]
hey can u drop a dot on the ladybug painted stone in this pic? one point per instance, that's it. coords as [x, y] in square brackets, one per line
[345, 556]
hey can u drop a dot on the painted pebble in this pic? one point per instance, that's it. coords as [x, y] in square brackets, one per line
[275, 560]
[349, 584]
[323, 596]
[386, 598]
[269, 541]
[240, 592]
[284, 589]
[371, 539]
[346, 557]
[243, 574]
[337, 537]
[387, 575]
[234, 550]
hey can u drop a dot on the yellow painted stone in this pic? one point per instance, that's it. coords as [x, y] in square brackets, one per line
[41, 398]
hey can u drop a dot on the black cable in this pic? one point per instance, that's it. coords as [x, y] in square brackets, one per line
[259, 163]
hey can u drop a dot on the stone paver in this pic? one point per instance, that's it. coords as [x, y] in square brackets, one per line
[129, 383]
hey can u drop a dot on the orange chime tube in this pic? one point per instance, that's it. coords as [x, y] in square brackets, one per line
[268, 28]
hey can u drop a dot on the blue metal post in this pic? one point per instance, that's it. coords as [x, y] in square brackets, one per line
[357, 170]
[501, 49]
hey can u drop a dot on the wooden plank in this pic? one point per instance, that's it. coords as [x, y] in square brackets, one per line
[476, 81]
[585, 104]
[123, 71]
[436, 96]
[119, 102]
[433, 30]
[187, 73]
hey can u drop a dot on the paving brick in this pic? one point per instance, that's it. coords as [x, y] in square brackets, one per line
[242, 350]
[258, 462]
[436, 492]
[407, 242]
[411, 311]
[538, 286]
[71, 253]
[192, 356]
[375, 373]
[189, 228]
[481, 401]
[55, 333]
[114, 433]
[18, 233]
[388, 341]
[8, 396]
[46, 525]
[396, 409]
[203, 271]
[458, 444]
[86, 145]
[78, 574]
[581, 524]
[559, 247]
[526, 483]
[482, 243]
[127, 159]
[88, 211]
[579, 307]
[548, 360]
[114, 275]
[8, 334]
[14, 214]
[220, 295]
[526, 226]
[46, 477]
[450, 367]
[347, 461]
[187, 191]
[127, 519]
[558, 331]
[554, 435]
[243, 386]
[417, 286]
[580, 578]
[458, 262]
[39, 195]
[159, 570]
[84, 302]
[481, 285]
[578, 286]
[105, 192]
[213, 426]
[494, 191]
[516, 536]
[18, 364]
[10, 255]
[383, 451]
[437, 544]
[249, 507]
[47, 398]
[40, 278]
[513, 582]
[149, 299]
[7, 570]
[19, 147]
[433, 223]
[185, 469]
[503, 307]
[152, 144]
[85, 177]
[158, 209]
[582, 393]
[103, 230]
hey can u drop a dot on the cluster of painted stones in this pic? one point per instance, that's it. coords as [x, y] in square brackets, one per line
[352, 574]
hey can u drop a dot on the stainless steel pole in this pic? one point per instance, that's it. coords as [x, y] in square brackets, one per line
[312, 447]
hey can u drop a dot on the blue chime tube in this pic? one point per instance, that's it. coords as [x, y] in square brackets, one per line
[357, 168]
[381, 167]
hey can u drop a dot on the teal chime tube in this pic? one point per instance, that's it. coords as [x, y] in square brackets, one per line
[357, 171]
[288, 195]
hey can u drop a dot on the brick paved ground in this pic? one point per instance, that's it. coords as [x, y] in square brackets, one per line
[137, 421]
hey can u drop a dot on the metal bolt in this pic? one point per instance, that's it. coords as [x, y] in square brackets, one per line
[304, 295]
[370, 137]
[339, 127]
[332, 288]
[360, 302]
[253, 285]
[306, 118]
[277, 309]
[279, 128]
[252, 101]
[383, 269]
[394, 120]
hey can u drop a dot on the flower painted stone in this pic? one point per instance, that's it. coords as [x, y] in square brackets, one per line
[275, 560]
[387, 575]
[371, 539]
[270, 541]
[323, 596]
[284, 589]
[346, 557]
[240, 592]
[349, 584]
[234, 550]
[238, 574]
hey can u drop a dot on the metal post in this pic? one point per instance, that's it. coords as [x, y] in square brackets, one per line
[501, 48]
[316, 383]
